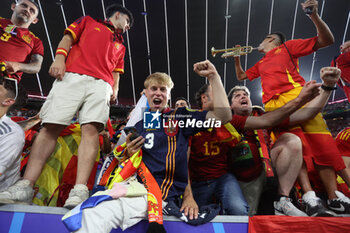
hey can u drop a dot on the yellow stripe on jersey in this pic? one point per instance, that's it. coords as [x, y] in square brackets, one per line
[347, 136]
[109, 29]
[171, 180]
[119, 70]
[298, 65]
[72, 33]
[233, 131]
[166, 165]
[169, 169]
[344, 136]
[290, 79]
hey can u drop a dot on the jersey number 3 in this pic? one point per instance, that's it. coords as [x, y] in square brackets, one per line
[150, 141]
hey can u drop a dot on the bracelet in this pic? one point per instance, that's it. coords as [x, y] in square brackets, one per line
[62, 51]
[326, 88]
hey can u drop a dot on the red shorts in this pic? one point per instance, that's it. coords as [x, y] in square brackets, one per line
[317, 140]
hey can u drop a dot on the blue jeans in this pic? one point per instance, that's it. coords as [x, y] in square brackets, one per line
[225, 190]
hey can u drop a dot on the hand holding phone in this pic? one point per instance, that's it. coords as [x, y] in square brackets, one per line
[308, 10]
[132, 130]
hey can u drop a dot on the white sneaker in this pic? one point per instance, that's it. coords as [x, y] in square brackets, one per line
[21, 193]
[77, 195]
[285, 207]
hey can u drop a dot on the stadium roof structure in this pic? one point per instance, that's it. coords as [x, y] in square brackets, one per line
[171, 35]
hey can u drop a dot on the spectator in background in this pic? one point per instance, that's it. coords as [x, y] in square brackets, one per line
[182, 102]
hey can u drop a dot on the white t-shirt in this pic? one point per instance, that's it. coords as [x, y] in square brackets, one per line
[11, 145]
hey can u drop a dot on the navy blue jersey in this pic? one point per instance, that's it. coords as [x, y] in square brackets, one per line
[165, 148]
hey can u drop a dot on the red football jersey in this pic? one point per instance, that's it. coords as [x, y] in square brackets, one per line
[18, 44]
[247, 174]
[208, 158]
[97, 50]
[343, 63]
[343, 142]
[276, 69]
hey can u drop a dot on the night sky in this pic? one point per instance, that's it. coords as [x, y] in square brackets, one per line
[180, 33]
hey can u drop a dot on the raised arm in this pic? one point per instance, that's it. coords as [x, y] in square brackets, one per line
[222, 109]
[329, 76]
[275, 117]
[325, 36]
[58, 67]
[240, 73]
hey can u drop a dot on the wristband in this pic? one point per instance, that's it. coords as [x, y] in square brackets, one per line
[62, 51]
[326, 88]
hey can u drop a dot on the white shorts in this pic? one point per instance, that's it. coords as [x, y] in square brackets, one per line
[123, 212]
[77, 93]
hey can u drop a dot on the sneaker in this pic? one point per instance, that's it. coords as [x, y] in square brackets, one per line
[285, 207]
[314, 206]
[20, 193]
[340, 205]
[77, 195]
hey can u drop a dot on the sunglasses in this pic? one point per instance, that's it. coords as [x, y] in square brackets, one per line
[2, 79]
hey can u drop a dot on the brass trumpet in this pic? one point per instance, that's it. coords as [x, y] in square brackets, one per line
[231, 52]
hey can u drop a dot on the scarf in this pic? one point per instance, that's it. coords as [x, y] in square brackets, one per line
[262, 142]
[115, 174]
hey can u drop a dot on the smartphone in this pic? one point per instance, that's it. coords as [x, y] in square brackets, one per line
[132, 130]
[308, 10]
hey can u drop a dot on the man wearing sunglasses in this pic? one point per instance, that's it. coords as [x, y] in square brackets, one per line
[20, 50]
[11, 134]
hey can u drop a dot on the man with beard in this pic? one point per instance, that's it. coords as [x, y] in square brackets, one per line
[21, 50]
[87, 80]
